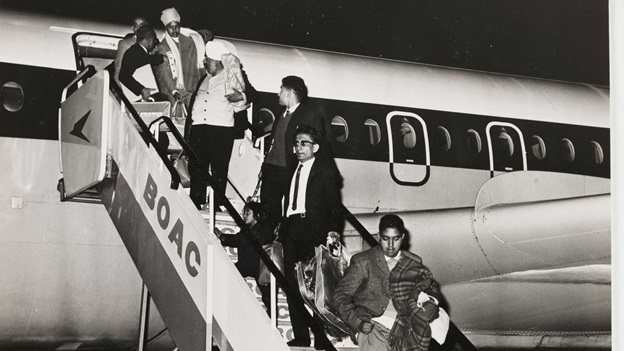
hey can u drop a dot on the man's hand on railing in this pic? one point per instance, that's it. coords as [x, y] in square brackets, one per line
[146, 94]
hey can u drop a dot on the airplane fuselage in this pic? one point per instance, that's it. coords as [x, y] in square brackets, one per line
[428, 142]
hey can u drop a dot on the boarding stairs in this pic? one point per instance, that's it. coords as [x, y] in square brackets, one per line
[110, 156]
[199, 294]
[196, 288]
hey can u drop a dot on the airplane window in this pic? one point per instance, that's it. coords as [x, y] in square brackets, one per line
[374, 133]
[265, 120]
[444, 138]
[340, 128]
[568, 150]
[539, 147]
[474, 140]
[506, 142]
[409, 135]
[598, 153]
[12, 96]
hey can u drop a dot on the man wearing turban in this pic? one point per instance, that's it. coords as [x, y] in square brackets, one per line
[183, 51]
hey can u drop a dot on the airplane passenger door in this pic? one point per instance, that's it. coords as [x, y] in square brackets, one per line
[507, 151]
[408, 148]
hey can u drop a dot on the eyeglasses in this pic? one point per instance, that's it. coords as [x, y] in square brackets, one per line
[303, 143]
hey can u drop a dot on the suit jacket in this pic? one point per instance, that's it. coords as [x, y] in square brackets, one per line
[309, 115]
[192, 73]
[134, 58]
[364, 290]
[250, 93]
[322, 205]
[123, 46]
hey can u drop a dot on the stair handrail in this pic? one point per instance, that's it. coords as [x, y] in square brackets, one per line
[281, 279]
[89, 72]
[146, 135]
[188, 150]
[85, 74]
[175, 177]
[175, 181]
[359, 227]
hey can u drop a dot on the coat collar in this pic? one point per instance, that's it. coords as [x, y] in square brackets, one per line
[380, 260]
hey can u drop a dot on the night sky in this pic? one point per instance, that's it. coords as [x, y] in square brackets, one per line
[553, 39]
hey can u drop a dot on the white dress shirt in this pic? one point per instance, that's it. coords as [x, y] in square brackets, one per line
[301, 190]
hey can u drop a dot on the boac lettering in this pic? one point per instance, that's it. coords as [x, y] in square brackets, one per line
[192, 248]
[163, 210]
[176, 236]
[151, 189]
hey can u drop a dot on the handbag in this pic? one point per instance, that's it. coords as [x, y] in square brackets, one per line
[317, 278]
[181, 166]
[180, 120]
[179, 123]
[275, 251]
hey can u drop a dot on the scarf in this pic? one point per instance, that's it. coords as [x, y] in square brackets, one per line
[199, 44]
[175, 61]
[234, 79]
[411, 329]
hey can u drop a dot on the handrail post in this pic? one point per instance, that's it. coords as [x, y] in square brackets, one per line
[144, 320]
[273, 305]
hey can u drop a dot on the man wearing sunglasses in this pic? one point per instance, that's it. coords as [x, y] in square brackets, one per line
[313, 210]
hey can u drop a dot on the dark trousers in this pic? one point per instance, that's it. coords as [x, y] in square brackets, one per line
[275, 184]
[294, 228]
[213, 145]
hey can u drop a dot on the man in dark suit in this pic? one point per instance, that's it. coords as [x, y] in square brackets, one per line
[137, 56]
[125, 43]
[293, 96]
[388, 295]
[313, 212]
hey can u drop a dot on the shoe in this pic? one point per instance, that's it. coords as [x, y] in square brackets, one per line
[322, 343]
[298, 342]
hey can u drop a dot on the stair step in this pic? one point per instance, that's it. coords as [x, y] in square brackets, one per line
[338, 347]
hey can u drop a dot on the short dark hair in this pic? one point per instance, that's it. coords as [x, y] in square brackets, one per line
[392, 221]
[145, 32]
[314, 134]
[260, 211]
[297, 85]
[140, 19]
[206, 34]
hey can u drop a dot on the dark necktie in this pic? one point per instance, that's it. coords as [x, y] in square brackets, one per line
[287, 113]
[294, 204]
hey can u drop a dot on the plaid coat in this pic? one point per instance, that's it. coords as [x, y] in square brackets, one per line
[407, 280]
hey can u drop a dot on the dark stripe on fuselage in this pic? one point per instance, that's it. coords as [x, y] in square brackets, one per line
[174, 302]
[38, 119]
[358, 146]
